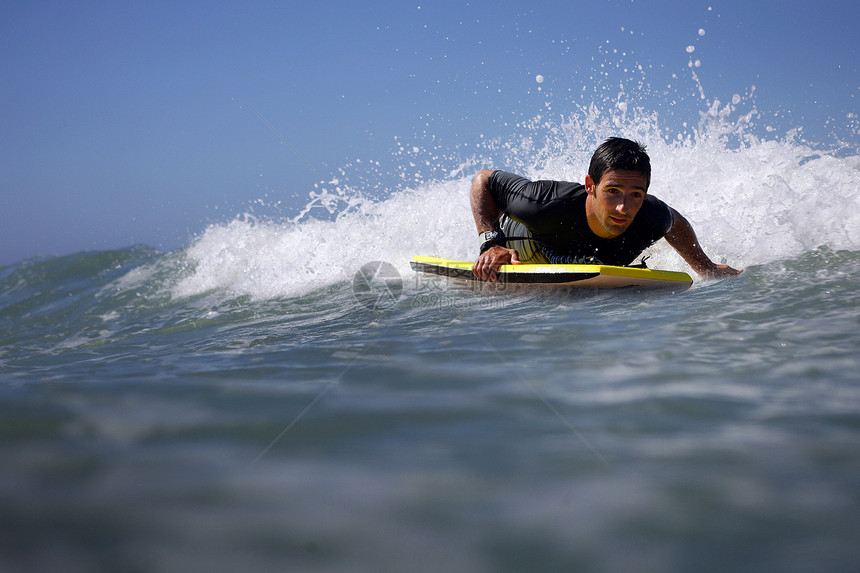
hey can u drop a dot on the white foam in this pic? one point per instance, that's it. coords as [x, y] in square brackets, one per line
[266, 259]
[751, 201]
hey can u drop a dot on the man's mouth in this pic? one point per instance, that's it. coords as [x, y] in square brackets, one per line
[618, 221]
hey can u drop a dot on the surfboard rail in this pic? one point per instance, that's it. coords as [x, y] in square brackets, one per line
[587, 276]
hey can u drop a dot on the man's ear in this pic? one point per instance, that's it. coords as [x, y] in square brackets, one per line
[589, 185]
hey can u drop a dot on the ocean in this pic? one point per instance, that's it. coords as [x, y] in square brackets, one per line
[244, 403]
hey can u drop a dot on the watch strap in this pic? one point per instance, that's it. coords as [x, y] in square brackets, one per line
[490, 238]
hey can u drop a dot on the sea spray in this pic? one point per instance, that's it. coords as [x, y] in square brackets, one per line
[269, 259]
[753, 192]
[751, 201]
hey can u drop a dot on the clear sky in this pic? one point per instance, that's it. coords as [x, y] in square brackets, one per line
[128, 123]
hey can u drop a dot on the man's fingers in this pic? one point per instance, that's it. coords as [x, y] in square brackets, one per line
[488, 263]
[483, 269]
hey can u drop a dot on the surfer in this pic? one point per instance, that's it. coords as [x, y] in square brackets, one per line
[610, 219]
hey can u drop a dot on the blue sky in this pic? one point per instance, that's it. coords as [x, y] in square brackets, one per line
[141, 123]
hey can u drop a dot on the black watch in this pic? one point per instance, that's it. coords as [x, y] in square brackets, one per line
[490, 238]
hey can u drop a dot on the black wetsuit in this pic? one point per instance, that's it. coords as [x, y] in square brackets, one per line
[553, 213]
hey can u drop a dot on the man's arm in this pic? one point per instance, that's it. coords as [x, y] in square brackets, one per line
[487, 215]
[683, 239]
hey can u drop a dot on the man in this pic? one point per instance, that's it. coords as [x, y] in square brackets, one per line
[611, 219]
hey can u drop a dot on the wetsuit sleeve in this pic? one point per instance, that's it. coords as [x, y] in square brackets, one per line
[540, 205]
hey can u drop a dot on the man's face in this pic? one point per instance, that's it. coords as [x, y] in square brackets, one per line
[613, 203]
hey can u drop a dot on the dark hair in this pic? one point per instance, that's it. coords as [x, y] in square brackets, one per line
[619, 153]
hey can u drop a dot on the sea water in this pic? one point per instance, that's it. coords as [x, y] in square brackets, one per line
[233, 405]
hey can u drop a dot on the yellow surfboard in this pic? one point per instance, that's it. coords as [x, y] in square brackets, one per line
[550, 275]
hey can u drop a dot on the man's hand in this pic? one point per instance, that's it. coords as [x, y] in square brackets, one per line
[487, 214]
[683, 239]
[720, 271]
[490, 260]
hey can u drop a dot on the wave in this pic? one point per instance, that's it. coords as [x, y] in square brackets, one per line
[753, 196]
[751, 200]
[139, 299]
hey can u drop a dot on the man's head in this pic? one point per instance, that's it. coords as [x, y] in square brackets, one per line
[617, 182]
[621, 155]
